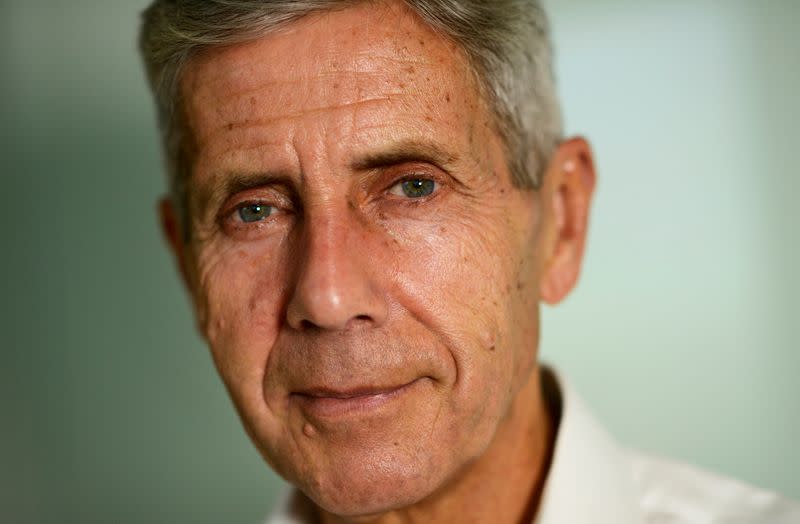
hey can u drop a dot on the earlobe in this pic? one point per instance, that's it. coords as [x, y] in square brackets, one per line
[570, 182]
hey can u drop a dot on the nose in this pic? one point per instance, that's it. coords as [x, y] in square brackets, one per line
[334, 285]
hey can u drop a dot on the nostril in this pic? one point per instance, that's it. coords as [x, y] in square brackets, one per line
[359, 321]
[307, 325]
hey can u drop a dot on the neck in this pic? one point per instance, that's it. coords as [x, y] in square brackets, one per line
[503, 486]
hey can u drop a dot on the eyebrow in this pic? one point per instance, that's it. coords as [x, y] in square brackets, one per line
[406, 151]
[233, 183]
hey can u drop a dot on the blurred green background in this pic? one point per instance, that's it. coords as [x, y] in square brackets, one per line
[683, 335]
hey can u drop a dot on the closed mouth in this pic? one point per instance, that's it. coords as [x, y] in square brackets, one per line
[365, 391]
[326, 403]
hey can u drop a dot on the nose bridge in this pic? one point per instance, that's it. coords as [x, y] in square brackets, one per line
[326, 235]
[333, 288]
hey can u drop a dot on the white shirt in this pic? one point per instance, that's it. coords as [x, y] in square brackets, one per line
[594, 480]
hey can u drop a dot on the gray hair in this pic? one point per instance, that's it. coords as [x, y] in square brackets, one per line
[505, 41]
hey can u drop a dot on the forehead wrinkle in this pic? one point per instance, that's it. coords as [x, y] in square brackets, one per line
[369, 61]
[319, 80]
[231, 150]
[277, 120]
[469, 145]
[223, 82]
[236, 109]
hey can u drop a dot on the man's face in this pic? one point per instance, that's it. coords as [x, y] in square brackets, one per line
[362, 267]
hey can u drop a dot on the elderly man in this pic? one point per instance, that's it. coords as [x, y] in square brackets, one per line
[369, 202]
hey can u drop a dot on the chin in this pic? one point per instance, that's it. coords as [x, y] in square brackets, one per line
[366, 484]
[366, 501]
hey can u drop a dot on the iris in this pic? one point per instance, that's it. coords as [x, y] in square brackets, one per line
[417, 187]
[254, 212]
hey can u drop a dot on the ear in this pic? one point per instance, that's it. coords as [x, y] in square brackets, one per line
[172, 229]
[568, 186]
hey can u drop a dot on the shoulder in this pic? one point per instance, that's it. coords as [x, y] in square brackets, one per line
[673, 492]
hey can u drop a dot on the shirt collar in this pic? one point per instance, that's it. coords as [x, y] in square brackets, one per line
[589, 478]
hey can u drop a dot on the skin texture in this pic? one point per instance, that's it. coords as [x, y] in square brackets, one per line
[380, 349]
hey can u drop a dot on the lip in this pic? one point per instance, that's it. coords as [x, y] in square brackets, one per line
[325, 403]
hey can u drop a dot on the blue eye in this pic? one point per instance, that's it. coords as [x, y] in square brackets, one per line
[415, 187]
[254, 212]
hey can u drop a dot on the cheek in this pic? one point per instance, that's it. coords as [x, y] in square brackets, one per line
[463, 268]
[239, 308]
[458, 275]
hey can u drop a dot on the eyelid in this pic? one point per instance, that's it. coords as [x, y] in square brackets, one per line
[268, 197]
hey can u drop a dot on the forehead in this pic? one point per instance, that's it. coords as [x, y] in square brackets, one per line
[347, 69]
